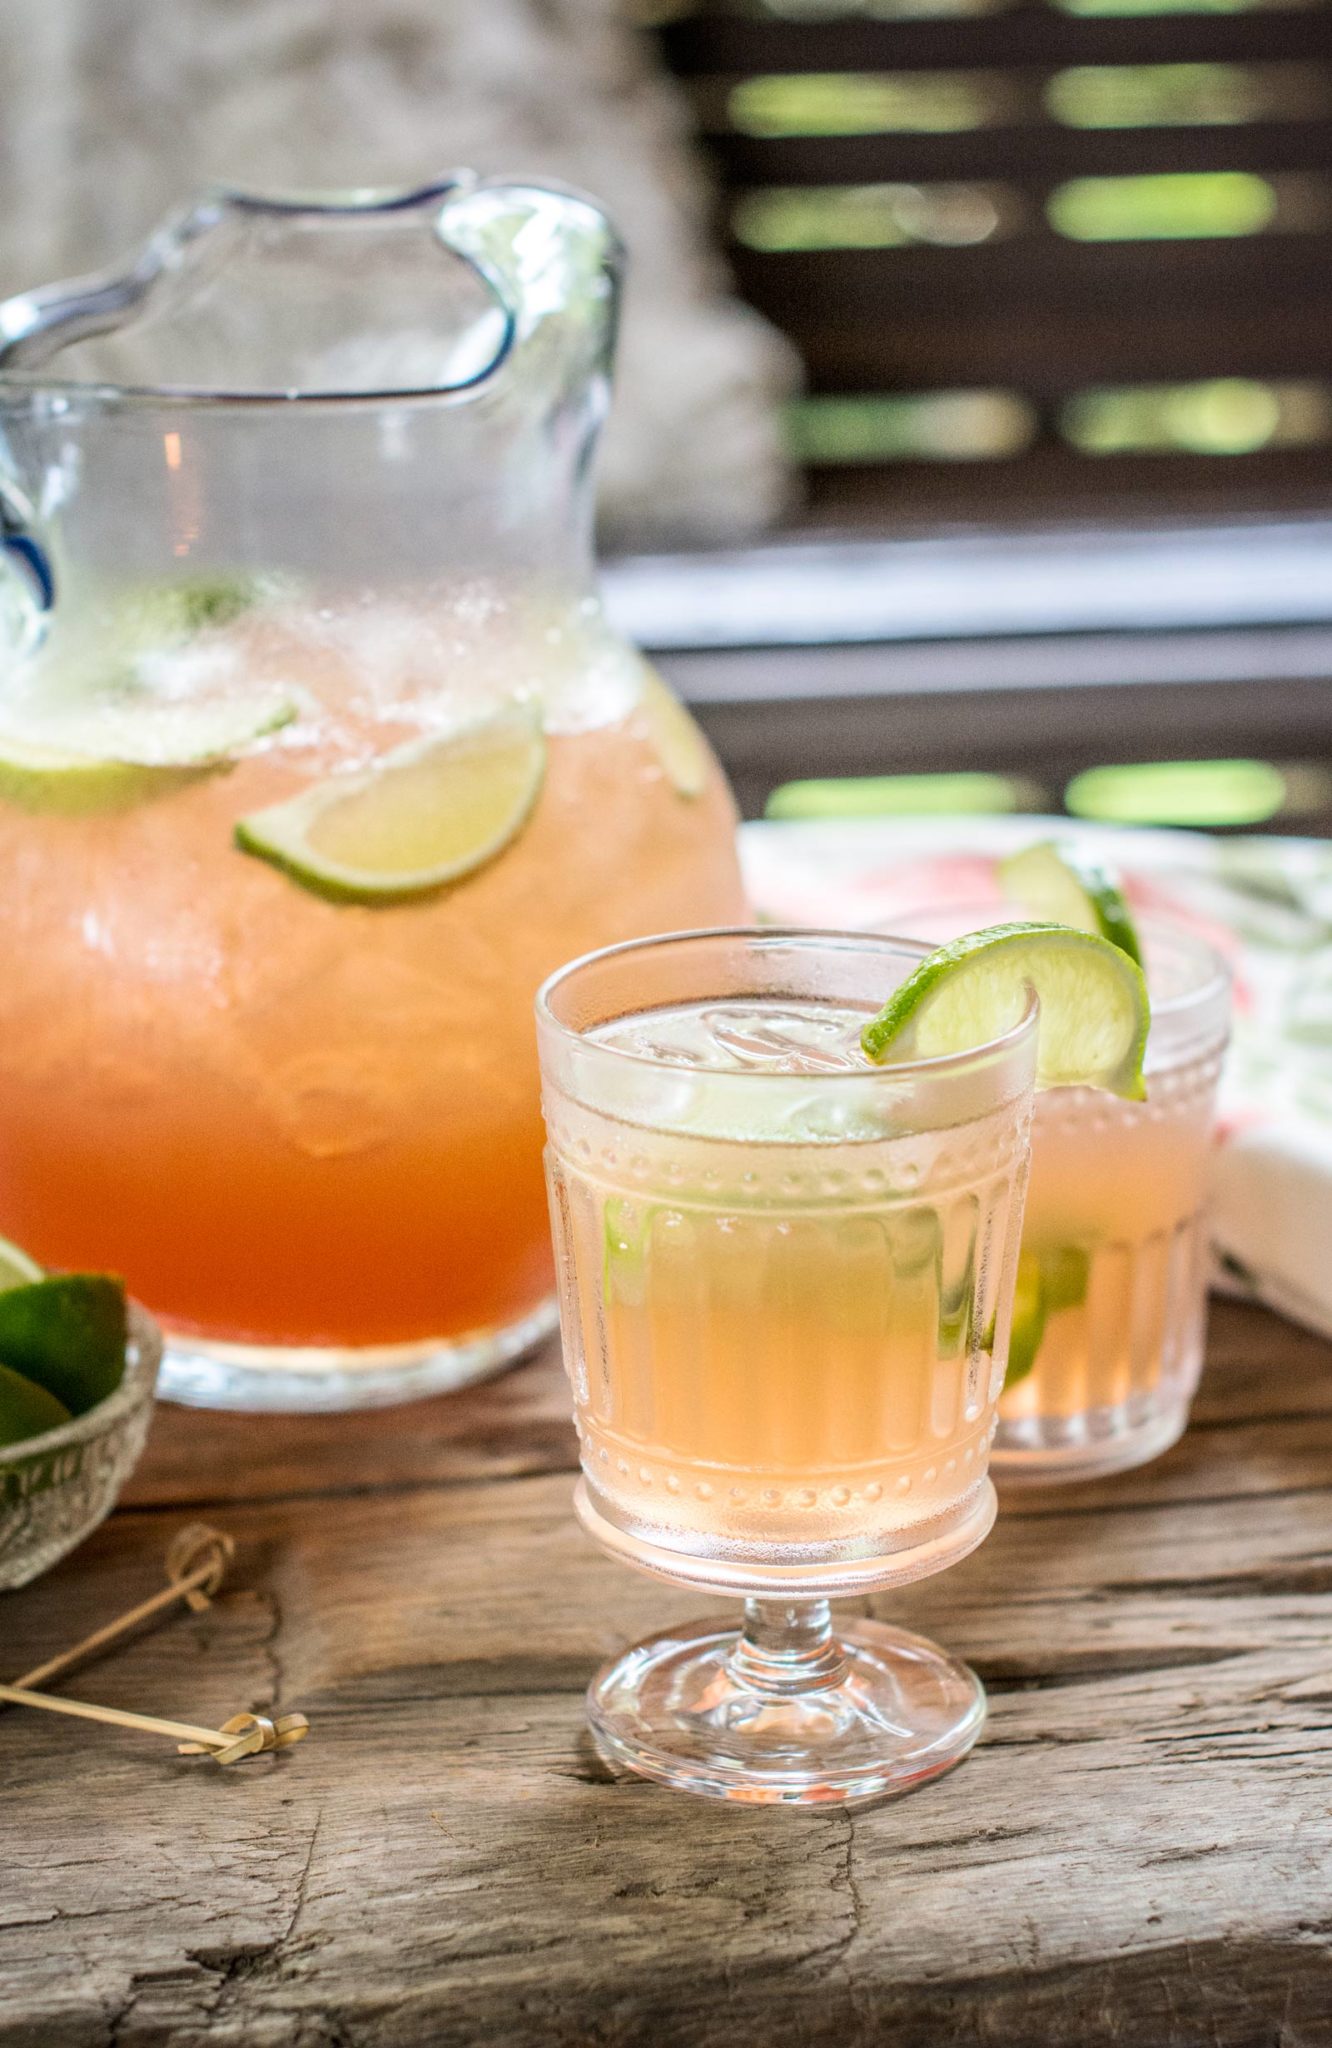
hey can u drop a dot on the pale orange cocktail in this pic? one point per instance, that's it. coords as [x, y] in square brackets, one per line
[1112, 1281]
[785, 1285]
[780, 1334]
[1111, 1290]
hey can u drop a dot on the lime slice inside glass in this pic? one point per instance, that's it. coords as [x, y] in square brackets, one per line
[1065, 1273]
[26, 1409]
[1058, 881]
[1093, 1001]
[426, 814]
[1029, 1311]
[1047, 1282]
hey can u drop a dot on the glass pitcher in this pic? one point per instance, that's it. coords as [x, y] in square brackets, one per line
[316, 756]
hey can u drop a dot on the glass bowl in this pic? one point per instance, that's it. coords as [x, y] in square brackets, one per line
[56, 1488]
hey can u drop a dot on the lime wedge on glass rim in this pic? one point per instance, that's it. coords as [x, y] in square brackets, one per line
[1057, 880]
[1093, 1002]
[426, 814]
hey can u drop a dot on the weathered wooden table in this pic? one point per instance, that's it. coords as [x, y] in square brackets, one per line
[1139, 1850]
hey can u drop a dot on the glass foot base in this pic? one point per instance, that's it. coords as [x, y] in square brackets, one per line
[872, 1712]
[1050, 1450]
[288, 1380]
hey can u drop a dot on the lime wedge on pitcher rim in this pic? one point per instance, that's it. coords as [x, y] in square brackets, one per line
[426, 814]
[1057, 880]
[1094, 1011]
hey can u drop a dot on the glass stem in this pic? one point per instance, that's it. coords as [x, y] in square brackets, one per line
[787, 1646]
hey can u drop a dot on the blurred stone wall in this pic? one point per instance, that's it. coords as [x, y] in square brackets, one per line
[113, 111]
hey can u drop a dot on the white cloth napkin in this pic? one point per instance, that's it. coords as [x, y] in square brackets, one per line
[1265, 902]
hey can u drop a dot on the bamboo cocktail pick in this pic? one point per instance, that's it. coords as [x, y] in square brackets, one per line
[244, 1735]
[196, 1564]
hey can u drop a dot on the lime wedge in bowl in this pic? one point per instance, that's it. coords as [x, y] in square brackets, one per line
[1057, 880]
[1093, 998]
[16, 1268]
[424, 815]
[67, 1333]
[26, 1409]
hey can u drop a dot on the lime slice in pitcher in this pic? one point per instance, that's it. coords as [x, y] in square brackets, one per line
[426, 814]
[1094, 1009]
[1056, 880]
[681, 747]
[92, 756]
[140, 730]
[43, 778]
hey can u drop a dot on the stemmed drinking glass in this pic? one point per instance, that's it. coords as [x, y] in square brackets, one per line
[786, 1281]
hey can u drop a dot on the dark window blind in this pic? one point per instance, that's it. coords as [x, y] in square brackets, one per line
[1033, 255]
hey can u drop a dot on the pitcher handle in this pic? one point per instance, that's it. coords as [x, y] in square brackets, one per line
[433, 200]
[549, 256]
[546, 255]
[35, 324]
[26, 555]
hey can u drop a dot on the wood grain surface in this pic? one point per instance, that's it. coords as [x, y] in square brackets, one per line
[1139, 1851]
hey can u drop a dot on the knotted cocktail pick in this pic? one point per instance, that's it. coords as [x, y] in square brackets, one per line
[251, 1734]
[244, 1735]
[197, 1560]
[196, 1563]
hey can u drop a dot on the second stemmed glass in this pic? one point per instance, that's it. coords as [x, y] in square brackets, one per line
[786, 1283]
